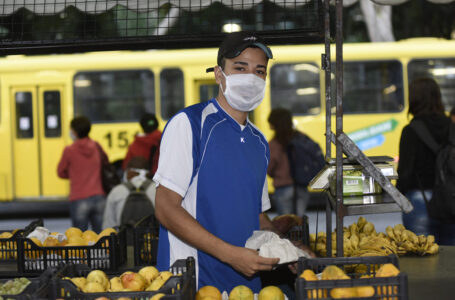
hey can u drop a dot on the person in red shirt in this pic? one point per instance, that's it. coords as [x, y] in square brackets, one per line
[147, 144]
[81, 164]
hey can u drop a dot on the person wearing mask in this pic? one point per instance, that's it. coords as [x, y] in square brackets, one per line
[416, 166]
[81, 164]
[147, 144]
[136, 175]
[211, 179]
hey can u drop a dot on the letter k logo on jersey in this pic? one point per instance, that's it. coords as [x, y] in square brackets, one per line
[242, 140]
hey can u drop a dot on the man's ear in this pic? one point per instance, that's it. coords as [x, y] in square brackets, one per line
[218, 75]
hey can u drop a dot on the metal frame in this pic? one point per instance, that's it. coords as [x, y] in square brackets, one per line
[393, 200]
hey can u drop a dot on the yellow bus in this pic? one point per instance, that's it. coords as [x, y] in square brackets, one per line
[39, 95]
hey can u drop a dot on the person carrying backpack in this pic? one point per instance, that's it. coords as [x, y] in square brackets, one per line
[147, 144]
[417, 161]
[132, 200]
[294, 160]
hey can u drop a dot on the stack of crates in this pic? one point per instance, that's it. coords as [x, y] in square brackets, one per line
[180, 286]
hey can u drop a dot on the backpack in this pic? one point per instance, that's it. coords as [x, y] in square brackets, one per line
[137, 204]
[305, 157]
[441, 206]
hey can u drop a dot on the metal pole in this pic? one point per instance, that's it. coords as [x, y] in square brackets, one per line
[327, 66]
[339, 127]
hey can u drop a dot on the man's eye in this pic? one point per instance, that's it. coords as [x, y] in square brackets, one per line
[240, 69]
[260, 72]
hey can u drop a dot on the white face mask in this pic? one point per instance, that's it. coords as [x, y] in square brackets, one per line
[244, 92]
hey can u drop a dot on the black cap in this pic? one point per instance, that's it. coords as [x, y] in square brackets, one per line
[235, 42]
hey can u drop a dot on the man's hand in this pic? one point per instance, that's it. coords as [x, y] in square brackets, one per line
[299, 244]
[248, 262]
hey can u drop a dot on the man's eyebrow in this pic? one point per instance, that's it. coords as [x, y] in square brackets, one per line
[246, 64]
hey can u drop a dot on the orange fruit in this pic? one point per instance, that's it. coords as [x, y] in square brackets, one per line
[208, 291]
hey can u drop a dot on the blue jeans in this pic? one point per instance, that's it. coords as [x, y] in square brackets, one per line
[419, 222]
[283, 200]
[87, 210]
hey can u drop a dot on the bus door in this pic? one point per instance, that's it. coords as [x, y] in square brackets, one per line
[37, 141]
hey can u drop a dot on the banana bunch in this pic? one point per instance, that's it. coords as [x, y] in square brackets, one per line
[407, 241]
[361, 239]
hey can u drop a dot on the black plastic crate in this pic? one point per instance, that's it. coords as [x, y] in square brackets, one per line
[37, 289]
[300, 233]
[179, 287]
[395, 287]
[8, 246]
[145, 241]
[108, 254]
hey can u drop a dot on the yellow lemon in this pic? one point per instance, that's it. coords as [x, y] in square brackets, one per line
[241, 292]
[50, 241]
[76, 241]
[107, 232]
[271, 293]
[165, 275]
[208, 291]
[73, 231]
[6, 235]
[149, 273]
[36, 241]
[90, 236]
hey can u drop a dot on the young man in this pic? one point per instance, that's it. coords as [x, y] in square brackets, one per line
[212, 189]
[146, 145]
[81, 164]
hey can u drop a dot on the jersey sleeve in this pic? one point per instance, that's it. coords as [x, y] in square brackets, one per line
[265, 196]
[175, 165]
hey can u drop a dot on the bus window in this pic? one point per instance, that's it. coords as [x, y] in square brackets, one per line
[371, 87]
[52, 113]
[24, 115]
[442, 71]
[114, 96]
[172, 92]
[208, 91]
[296, 87]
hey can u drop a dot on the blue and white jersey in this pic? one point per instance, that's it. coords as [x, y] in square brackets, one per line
[219, 168]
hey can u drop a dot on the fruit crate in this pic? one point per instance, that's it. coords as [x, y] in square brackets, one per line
[8, 246]
[145, 241]
[107, 254]
[37, 289]
[181, 286]
[385, 288]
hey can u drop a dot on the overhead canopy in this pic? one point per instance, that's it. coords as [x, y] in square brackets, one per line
[43, 26]
[50, 7]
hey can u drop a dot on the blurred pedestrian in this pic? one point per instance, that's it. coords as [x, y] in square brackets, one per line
[416, 166]
[137, 181]
[146, 144]
[81, 164]
[452, 114]
[294, 160]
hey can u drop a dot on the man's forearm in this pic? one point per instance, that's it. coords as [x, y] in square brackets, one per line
[177, 220]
